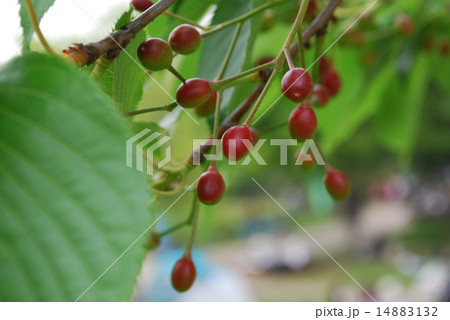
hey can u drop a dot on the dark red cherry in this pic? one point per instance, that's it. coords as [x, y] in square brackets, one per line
[337, 184]
[325, 65]
[183, 274]
[296, 84]
[141, 5]
[311, 11]
[155, 54]
[320, 95]
[302, 122]
[332, 82]
[206, 109]
[234, 142]
[405, 24]
[193, 93]
[210, 187]
[185, 39]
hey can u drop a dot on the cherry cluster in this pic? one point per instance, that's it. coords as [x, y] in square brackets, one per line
[297, 85]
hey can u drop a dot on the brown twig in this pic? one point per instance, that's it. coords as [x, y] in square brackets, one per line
[113, 44]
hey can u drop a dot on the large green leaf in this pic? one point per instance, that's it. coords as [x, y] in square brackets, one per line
[40, 7]
[124, 79]
[68, 204]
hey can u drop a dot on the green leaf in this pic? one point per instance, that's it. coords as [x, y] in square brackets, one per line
[123, 81]
[397, 121]
[40, 7]
[347, 112]
[215, 46]
[69, 206]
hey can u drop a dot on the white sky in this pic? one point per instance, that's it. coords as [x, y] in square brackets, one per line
[63, 24]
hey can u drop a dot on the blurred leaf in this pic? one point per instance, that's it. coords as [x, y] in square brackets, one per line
[69, 205]
[125, 77]
[397, 120]
[40, 8]
[349, 110]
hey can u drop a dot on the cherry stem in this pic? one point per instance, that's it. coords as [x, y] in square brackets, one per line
[301, 45]
[176, 73]
[167, 107]
[317, 55]
[189, 21]
[227, 59]
[288, 57]
[261, 96]
[186, 222]
[37, 29]
[193, 223]
[227, 82]
[246, 16]
[216, 125]
[298, 21]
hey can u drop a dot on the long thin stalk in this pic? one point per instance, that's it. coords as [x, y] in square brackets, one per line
[166, 107]
[194, 222]
[220, 84]
[37, 29]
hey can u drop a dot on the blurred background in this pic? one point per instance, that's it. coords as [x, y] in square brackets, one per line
[388, 129]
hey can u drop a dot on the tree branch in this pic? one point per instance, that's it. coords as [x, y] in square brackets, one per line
[112, 45]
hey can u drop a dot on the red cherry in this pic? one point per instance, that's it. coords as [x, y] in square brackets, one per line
[337, 184]
[233, 145]
[296, 84]
[141, 5]
[302, 122]
[185, 39]
[183, 274]
[311, 11]
[193, 93]
[325, 65]
[332, 82]
[206, 109]
[445, 46]
[405, 24]
[210, 187]
[320, 95]
[155, 54]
